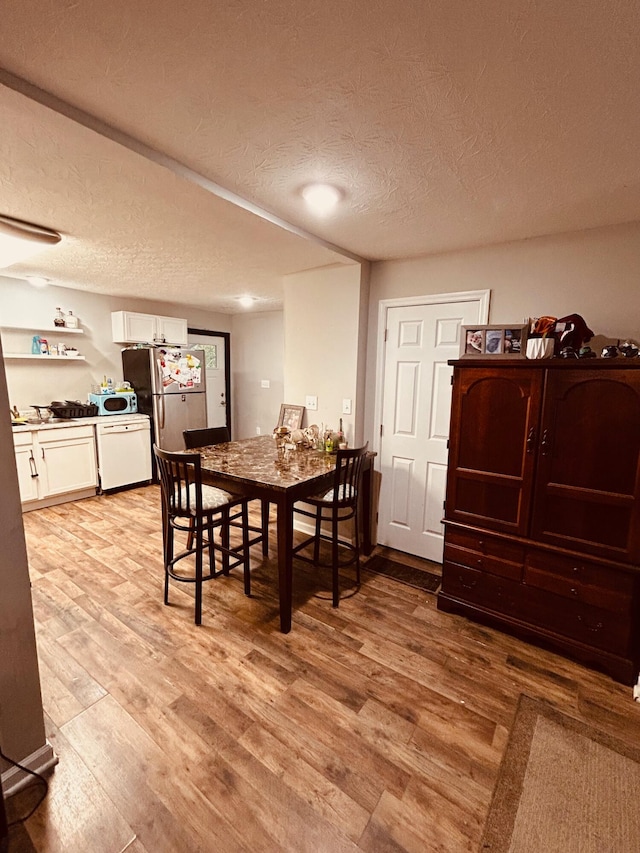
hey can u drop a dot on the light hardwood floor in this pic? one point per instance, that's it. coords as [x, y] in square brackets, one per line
[379, 726]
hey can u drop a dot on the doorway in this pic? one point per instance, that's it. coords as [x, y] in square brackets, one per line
[416, 338]
[216, 347]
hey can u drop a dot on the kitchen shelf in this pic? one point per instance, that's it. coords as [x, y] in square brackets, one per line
[57, 330]
[44, 357]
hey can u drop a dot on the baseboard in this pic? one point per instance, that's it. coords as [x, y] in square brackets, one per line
[15, 779]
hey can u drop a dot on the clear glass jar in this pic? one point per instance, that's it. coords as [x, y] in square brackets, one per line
[71, 321]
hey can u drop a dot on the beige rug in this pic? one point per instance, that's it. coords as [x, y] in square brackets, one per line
[563, 787]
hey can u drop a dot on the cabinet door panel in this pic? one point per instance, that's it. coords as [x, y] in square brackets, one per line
[28, 473]
[492, 447]
[588, 480]
[69, 465]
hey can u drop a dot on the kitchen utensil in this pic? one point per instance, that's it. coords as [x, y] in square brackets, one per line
[43, 418]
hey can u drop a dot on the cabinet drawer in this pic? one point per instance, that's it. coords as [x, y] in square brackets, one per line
[484, 553]
[486, 590]
[579, 580]
[22, 439]
[66, 433]
[538, 609]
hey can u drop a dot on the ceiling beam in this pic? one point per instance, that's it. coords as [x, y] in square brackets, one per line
[52, 102]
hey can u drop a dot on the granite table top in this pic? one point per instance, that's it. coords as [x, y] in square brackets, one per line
[257, 460]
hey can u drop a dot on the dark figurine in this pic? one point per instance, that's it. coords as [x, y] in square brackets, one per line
[629, 349]
[586, 352]
[568, 352]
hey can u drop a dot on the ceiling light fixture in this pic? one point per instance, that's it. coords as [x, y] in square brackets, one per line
[246, 301]
[321, 198]
[37, 280]
[20, 240]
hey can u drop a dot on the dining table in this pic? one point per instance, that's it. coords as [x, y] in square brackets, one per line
[257, 468]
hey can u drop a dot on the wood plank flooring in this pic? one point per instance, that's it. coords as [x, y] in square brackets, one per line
[379, 726]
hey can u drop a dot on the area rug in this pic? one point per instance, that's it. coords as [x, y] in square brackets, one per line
[563, 786]
[405, 574]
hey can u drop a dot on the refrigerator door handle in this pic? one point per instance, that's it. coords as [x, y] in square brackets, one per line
[161, 411]
[159, 382]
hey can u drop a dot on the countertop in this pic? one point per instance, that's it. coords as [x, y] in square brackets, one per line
[66, 422]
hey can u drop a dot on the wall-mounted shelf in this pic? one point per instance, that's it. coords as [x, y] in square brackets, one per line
[44, 357]
[57, 330]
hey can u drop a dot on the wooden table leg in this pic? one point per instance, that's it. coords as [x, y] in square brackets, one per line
[285, 561]
[265, 528]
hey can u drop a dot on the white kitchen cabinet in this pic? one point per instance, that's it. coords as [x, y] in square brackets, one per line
[55, 464]
[26, 465]
[134, 328]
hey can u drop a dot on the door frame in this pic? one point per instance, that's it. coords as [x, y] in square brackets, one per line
[481, 296]
[227, 366]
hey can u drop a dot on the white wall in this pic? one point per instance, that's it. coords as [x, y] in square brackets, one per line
[21, 304]
[593, 273]
[324, 344]
[257, 354]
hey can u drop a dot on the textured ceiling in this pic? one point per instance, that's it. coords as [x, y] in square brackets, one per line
[447, 124]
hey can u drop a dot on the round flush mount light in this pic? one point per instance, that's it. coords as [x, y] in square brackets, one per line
[37, 280]
[321, 198]
[246, 301]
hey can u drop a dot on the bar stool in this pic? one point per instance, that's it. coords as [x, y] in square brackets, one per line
[205, 436]
[337, 505]
[195, 508]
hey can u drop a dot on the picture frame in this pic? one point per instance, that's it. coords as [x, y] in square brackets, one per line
[291, 416]
[494, 341]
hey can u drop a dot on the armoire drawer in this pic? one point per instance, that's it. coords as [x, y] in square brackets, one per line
[539, 608]
[482, 588]
[484, 553]
[580, 580]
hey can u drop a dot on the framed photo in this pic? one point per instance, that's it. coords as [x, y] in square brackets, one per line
[494, 341]
[290, 416]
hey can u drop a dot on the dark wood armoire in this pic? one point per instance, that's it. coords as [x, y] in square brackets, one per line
[542, 514]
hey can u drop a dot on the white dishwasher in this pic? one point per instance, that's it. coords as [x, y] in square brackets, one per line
[123, 443]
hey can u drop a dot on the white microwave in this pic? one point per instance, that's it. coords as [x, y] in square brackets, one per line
[120, 403]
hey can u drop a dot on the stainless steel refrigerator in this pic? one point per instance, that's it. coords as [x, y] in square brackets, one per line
[171, 387]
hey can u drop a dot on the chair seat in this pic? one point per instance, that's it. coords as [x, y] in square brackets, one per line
[345, 493]
[212, 499]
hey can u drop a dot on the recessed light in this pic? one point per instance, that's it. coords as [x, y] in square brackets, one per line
[246, 301]
[37, 280]
[321, 198]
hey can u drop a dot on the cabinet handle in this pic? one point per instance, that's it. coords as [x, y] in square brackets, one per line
[531, 439]
[32, 465]
[545, 442]
[573, 590]
[593, 628]
[466, 585]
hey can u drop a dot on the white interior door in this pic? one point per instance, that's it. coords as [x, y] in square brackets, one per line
[215, 371]
[415, 409]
